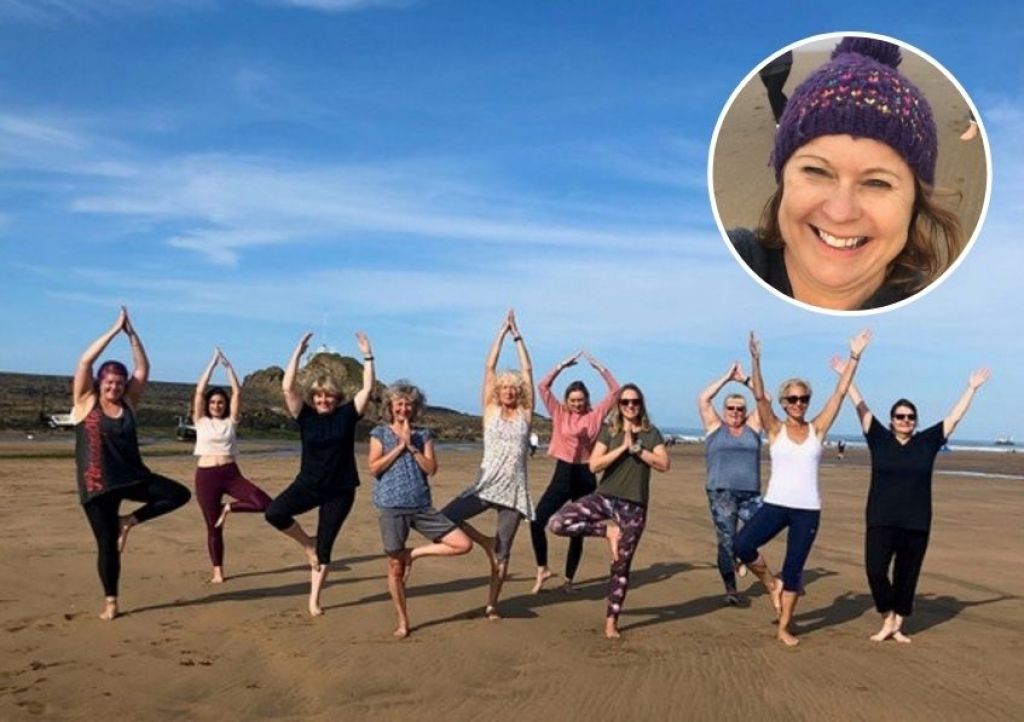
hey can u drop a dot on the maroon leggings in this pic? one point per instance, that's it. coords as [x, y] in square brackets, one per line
[212, 483]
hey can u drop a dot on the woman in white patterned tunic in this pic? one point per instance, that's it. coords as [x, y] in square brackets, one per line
[501, 483]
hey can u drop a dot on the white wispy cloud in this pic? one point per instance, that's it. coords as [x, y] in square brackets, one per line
[342, 6]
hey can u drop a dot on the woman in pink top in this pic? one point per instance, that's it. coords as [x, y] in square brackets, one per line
[574, 428]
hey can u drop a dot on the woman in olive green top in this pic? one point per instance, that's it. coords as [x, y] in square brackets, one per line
[626, 451]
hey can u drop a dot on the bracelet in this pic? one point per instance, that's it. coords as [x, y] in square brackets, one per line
[746, 381]
[517, 339]
[855, 356]
[367, 358]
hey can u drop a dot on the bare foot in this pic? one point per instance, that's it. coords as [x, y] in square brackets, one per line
[568, 588]
[613, 533]
[218, 576]
[775, 596]
[125, 524]
[407, 559]
[900, 637]
[223, 515]
[315, 610]
[491, 612]
[314, 560]
[788, 639]
[543, 574]
[970, 134]
[882, 634]
[109, 610]
[401, 632]
[611, 628]
[741, 570]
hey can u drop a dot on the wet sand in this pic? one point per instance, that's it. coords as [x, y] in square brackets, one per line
[248, 650]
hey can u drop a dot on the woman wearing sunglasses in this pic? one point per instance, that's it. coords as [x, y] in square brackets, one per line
[732, 442]
[626, 450]
[793, 500]
[899, 511]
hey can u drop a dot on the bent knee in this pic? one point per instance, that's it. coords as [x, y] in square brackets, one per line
[277, 519]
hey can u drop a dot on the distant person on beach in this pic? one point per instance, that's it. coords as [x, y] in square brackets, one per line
[217, 473]
[793, 499]
[774, 75]
[401, 458]
[534, 443]
[327, 478]
[626, 450]
[109, 467]
[852, 223]
[899, 509]
[733, 449]
[574, 429]
[840, 449]
[501, 484]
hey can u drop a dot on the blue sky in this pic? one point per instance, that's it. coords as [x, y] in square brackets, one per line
[238, 172]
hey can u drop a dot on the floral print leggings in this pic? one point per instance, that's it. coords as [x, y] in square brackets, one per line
[589, 517]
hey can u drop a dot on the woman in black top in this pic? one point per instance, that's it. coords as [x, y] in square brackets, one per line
[327, 477]
[107, 458]
[899, 510]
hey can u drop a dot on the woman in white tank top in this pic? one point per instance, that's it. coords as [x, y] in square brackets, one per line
[793, 501]
[217, 474]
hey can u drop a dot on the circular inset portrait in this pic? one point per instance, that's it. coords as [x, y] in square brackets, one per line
[849, 173]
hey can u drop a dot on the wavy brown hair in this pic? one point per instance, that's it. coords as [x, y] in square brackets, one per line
[615, 416]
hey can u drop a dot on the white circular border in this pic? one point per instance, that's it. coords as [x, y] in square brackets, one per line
[984, 204]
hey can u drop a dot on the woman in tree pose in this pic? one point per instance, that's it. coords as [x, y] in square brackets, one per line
[327, 477]
[574, 428]
[793, 500]
[401, 458]
[217, 474]
[501, 483]
[109, 467]
[626, 450]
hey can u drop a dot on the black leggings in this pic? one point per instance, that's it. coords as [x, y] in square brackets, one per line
[569, 483]
[160, 494]
[903, 549]
[298, 498]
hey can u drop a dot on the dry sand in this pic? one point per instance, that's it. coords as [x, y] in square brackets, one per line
[248, 650]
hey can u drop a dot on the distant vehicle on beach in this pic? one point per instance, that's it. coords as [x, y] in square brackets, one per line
[185, 430]
[1004, 440]
[60, 421]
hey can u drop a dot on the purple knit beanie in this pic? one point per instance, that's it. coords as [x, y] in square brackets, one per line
[859, 92]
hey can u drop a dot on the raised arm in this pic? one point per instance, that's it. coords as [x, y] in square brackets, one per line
[863, 412]
[823, 421]
[551, 403]
[289, 384]
[363, 395]
[964, 402]
[82, 387]
[764, 404]
[705, 406]
[236, 387]
[491, 364]
[525, 366]
[605, 404]
[140, 374]
[198, 398]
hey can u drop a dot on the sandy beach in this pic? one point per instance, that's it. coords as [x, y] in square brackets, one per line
[248, 650]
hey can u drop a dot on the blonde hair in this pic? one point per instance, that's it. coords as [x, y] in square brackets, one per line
[324, 383]
[509, 378]
[794, 382]
[615, 417]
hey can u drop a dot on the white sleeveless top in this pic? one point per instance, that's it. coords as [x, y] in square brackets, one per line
[794, 480]
[216, 437]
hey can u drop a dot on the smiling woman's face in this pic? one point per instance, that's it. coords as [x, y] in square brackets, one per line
[844, 216]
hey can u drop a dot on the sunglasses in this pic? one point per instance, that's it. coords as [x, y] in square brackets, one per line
[905, 417]
[804, 399]
[741, 409]
[630, 402]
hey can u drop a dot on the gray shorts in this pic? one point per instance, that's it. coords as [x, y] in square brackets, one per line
[396, 523]
[466, 507]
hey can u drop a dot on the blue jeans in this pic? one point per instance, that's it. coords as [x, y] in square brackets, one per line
[766, 525]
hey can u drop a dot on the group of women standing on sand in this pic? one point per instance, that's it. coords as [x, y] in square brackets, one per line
[899, 499]
[625, 451]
